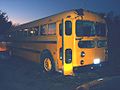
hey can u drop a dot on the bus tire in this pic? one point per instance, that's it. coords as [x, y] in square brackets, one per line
[47, 63]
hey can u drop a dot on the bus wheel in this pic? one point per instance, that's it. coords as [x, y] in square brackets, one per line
[47, 63]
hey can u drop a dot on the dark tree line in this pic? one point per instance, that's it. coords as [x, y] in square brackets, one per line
[113, 23]
[5, 24]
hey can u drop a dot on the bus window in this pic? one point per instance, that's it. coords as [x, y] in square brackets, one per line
[44, 30]
[31, 32]
[85, 28]
[39, 32]
[52, 29]
[100, 29]
[61, 54]
[36, 31]
[20, 33]
[60, 29]
[68, 27]
[25, 32]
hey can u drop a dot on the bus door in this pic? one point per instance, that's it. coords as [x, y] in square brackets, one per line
[67, 45]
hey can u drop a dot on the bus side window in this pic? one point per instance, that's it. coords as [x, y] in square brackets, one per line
[25, 33]
[36, 31]
[39, 31]
[68, 27]
[44, 30]
[30, 33]
[60, 29]
[20, 33]
[52, 29]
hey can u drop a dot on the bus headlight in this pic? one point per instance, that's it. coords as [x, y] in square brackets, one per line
[96, 61]
[82, 54]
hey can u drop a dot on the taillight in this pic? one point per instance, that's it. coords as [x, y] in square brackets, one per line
[68, 56]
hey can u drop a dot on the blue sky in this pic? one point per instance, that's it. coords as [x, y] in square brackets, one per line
[22, 11]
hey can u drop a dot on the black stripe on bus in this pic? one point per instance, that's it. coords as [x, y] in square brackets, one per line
[50, 42]
[25, 49]
[43, 42]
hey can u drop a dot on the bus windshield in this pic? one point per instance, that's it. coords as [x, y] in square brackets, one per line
[87, 28]
[100, 29]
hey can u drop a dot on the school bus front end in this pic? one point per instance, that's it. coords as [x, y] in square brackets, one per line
[91, 47]
[90, 52]
[86, 45]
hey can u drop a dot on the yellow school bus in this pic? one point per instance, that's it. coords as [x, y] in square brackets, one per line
[62, 42]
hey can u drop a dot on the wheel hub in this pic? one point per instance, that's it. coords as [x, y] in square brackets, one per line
[47, 64]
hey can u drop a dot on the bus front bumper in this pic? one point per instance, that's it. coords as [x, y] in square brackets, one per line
[89, 68]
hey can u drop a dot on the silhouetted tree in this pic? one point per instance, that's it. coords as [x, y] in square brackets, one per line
[4, 23]
[113, 23]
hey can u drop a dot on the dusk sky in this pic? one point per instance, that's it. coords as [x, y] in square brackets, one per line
[22, 11]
